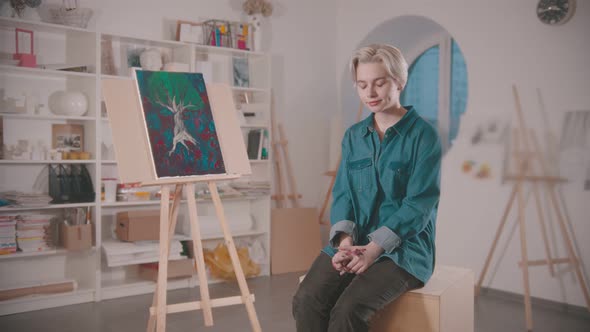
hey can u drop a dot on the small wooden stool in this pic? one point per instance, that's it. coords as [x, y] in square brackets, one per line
[444, 304]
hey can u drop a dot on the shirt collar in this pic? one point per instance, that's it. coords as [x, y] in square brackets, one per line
[401, 127]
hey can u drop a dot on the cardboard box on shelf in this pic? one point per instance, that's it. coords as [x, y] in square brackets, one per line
[76, 237]
[138, 225]
[182, 268]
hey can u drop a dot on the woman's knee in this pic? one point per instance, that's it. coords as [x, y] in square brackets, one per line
[352, 312]
[303, 301]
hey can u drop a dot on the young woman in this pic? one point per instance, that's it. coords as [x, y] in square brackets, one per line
[384, 205]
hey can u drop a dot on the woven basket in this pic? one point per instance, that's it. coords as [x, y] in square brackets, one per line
[77, 17]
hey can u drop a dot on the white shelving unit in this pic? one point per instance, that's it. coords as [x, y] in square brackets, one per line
[62, 44]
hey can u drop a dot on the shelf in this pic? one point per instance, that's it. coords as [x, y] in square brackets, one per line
[154, 202]
[77, 46]
[233, 234]
[116, 77]
[120, 288]
[255, 125]
[5, 69]
[42, 26]
[59, 251]
[240, 89]
[224, 50]
[46, 207]
[260, 161]
[44, 162]
[18, 255]
[143, 41]
[46, 117]
[36, 302]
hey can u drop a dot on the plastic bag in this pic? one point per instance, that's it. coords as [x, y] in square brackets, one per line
[220, 266]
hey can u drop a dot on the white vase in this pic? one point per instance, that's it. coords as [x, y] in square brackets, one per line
[69, 103]
[151, 59]
[256, 23]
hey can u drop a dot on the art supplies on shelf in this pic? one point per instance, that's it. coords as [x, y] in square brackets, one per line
[220, 33]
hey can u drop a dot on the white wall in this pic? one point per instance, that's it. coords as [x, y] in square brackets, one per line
[300, 35]
[503, 44]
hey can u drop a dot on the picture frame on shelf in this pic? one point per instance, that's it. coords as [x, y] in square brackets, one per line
[187, 31]
[241, 72]
[25, 49]
[67, 137]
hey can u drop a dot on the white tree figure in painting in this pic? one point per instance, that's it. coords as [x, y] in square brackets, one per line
[176, 94]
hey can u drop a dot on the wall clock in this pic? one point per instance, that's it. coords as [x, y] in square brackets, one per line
[555, 12]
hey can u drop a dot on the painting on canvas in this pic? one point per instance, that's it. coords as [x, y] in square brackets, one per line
[179, 122]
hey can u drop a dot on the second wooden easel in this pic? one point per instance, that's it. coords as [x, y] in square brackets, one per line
[525, 156]
[280, 146]
[168, 217]
[332, 174]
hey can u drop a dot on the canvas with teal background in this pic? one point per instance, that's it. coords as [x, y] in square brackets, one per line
[180, 124]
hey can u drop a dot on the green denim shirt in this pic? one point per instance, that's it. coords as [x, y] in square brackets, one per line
[388, 191]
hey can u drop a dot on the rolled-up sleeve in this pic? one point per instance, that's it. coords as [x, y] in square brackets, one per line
[343, 226]
[385, 238]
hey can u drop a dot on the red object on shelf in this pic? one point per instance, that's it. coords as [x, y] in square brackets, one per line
[241, 44]
[25, 59]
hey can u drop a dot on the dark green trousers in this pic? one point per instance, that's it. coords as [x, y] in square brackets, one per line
[326, 301]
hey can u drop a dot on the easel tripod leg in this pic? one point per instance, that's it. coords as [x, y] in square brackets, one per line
[543, 228]
[525, 266]
[568, 245]
[161, 287]
[173, 218]
[495, 242]
[199, 257]
[233, 253]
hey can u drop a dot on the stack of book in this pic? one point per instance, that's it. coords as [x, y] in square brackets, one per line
[26, 199]
[32, 232]
[252, 188]
[119, 253]
[7, 235]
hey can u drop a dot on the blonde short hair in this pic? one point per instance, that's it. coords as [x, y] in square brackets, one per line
[390, 56]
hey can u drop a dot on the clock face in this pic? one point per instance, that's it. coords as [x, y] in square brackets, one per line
[555, 12]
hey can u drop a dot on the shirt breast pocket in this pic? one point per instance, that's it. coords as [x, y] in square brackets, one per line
[360, 172]
[400, 175]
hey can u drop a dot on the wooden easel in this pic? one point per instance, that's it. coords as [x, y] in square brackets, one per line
[332, 174]
[526, 174]
[168, 217]
[136, 163]
[280, 146]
